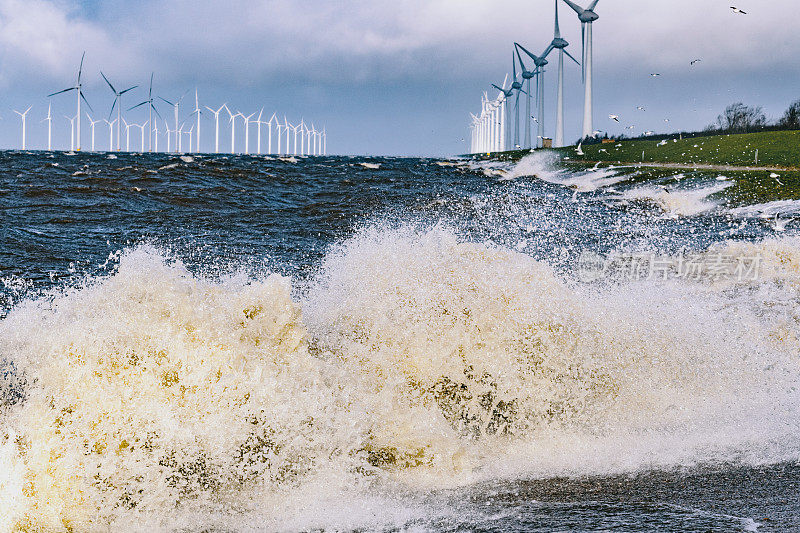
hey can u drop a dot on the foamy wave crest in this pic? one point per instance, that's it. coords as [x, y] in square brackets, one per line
[679, 202]
[417, 358]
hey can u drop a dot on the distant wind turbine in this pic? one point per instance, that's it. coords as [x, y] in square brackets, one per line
[269, 139]
[247, 132]
[117, 103]
[258, 136]
[24, 117]
[150, 109]
[233, 128]
[110, 134]
[71, 132]
[92, 124]
[561, 45]
[197, 112]
[176, 108]
[78, 87]
[216, 125]
[49, 120]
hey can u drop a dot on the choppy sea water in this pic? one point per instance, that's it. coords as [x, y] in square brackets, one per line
[350, 344]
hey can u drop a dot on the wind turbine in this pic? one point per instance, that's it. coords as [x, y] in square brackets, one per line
[110, 134]
[232, 120]
[150, 108]
[505, 95]
[176, 107]
[587, 17]
[49, 120]
[190, 133]
[540, 62]
[324, 141]
[24, 117]
[560, 44]
[198, 112]
[216, 124]
[127, 136]
[92, 125]
[287, 127]
[279, 129]
[526, 75]
[118, 103]
[269, 139]
[247, 132]
[155, 131]
[296, 129]
[259, 124]
[80, 97]
[71, 132]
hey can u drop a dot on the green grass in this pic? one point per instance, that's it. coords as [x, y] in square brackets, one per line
[775, 149]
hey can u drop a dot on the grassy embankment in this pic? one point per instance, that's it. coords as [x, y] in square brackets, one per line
[777, 149]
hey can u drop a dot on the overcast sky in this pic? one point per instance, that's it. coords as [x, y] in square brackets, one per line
[395, 77]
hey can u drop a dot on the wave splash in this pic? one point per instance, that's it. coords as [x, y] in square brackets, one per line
[413, 358]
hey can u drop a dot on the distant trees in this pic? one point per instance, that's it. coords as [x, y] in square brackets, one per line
[791, 119]
[741, 118]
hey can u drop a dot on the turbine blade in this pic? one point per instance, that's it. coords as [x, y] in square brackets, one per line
[514, 62]
[526, 51]
[167, 101]
[151, 85]
[156, 111]
[86, 101]
[583, 51]
[521, 64]
[64, 91]
[138, 105]
[128, 89]
[558, 30]
[592, 5]
[80, 69]
[575, 7]
[108, 82]
[112, 108]
[570, 56]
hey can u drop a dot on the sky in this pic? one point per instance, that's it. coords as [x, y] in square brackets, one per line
[389, 77]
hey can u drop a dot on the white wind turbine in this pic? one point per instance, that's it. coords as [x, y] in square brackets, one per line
[176, 108]
[296, 129]
[198, 112]
[155, 131]
[127, 136]
[118, 104]
[587, 17]
[190, 133]
[78, 87]
[287, 128]
[279, 129]
[49, 120]
[92, 124]
[233, 128]
[302, 136]
[247, 132]
[150, 109]
[167, 132]
[258, 136]
[24, 117]
[269, 140]
[216, 125]
[141, 127]
[324, 141]
[179, 139]
[71, 132]
[110, 134]
[560, 45]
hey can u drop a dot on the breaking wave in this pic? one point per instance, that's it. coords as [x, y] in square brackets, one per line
[155, 397]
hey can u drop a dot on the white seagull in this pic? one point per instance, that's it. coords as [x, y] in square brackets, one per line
[737, 10]
[615, 118]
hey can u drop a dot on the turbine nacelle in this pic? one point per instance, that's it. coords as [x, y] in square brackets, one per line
[559, 43]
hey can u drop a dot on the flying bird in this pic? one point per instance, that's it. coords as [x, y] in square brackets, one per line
[640, 108]
[692, 63]
[648, 133]
[595, 133]
[666, 120]
[578, 150]
[615, 118]
[655, 74]
[737, 10]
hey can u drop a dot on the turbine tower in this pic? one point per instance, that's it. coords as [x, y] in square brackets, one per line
[560, 45]
[216, 125]
[49, 120]
[71, 132]
[24, 117]
[587, 17]
[247, 132]
[118, 103]
[78, 87]
[505, 95]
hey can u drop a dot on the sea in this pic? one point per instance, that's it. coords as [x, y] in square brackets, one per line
[259, 343]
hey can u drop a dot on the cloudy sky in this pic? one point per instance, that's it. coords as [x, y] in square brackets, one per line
[396, 77]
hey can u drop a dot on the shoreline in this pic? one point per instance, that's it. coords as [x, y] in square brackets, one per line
[689, 166]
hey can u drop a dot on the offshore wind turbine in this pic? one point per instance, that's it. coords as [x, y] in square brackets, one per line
[150, 109]
[118, 103]
[259, 124]
[24, 117]
[216, 125]
[110, 134]
[197, 112]
[287, 127]
[587, 17]
[279, 129]
[78, 87]
[506, 94]
[232, 120]
[269, 138]
[49, 120]
[324, 141]
[92, 124]
[560, 44]
[176, 108]
[247, 132]
[155, 131]
[71, 132]
[517, 86]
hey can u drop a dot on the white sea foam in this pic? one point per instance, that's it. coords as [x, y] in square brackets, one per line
[544, 165]
[769, 209]
[679, 202]
[158, 399]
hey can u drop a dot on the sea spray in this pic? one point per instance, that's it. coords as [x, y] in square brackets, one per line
[419, 358]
